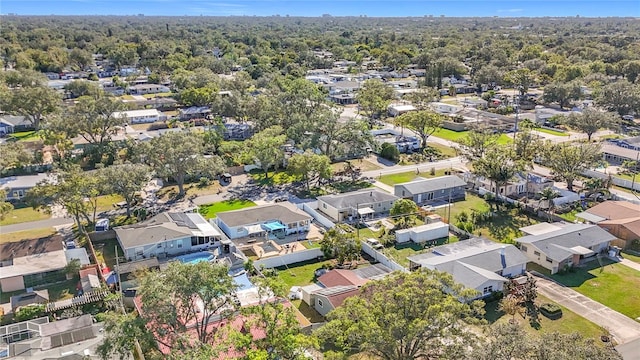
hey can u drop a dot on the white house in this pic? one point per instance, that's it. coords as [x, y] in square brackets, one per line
[168, 234]
[558, 246]
[16, 187]
[476, 263]
[273, 220]
[143, 89]
[399, 109]
[362, 203]
[139, 116]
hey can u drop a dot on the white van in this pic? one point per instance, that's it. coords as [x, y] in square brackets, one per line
[374, 243]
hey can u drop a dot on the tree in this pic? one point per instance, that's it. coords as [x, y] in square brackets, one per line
[418, 315]
[340, 245]
[13, 155]
[373, 98]
[476, 143]
[498, 165]
[421, 98]
[177, 155]
[310, 166]
[266, 150]
[390, 152]
[527, 147]
[180, 297]
[29, 312]
[198, 96]
[34, 103]
[122, 333]
[590, 120]
[510, 305]
[73, 267]
[283, 339]
[511, 342]
[562, 93]
[95, 118]
[547, 195]
[75, 190]
[79, 88]
[423, 122]
[521, 79]
[404, 210]
[5, 206]
[567, 161]
[125, 180]
[621, 97]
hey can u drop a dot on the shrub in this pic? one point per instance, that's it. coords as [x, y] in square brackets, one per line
[29, 312]
[552, 311]
[100, 317]
[390, 152]
[204, 182]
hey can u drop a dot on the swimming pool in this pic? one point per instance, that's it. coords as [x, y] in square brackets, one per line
[243, 282]
[195, 257]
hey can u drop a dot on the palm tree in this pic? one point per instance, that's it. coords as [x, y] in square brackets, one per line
[547, 195]
[597, 185]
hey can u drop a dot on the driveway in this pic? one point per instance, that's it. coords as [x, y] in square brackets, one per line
[623, 328]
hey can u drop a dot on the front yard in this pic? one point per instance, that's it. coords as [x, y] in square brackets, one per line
[24, 214]
[191, 190]
[614, 285]
[26, 234]
[569, 322]
[362, 164]
[209, 211]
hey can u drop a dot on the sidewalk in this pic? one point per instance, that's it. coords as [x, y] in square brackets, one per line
[36, 225]
[629, 263]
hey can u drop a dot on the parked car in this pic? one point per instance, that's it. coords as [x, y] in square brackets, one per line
[281, 199]
[374, 243]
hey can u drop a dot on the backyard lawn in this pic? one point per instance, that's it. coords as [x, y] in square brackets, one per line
[25, 136]
[612, 285]
[209, 211]
[106, 252]
[455, 136]
[310, 313]
[392, 179]
[470, 202]
[569, 322]
[24, 214]
[300, 274]
[26, 234]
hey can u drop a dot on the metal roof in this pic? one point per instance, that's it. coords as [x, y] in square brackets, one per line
[429, 185]
[259, 214]
[355, 199]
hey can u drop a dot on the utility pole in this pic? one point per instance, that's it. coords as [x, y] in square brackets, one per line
[516, 104]
[358, 223]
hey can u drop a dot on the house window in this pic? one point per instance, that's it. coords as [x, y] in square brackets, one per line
[549, 260]
[536, 253]
[324, 206]
[159, 246]
[523, 248]
[194, 241]
[402, 192]
[430, 196]
[179, 242]
[320, 303]
[487, 290]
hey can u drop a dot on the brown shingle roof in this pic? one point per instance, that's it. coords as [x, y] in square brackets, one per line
[338, 277]
[30, 247]
[614, 210]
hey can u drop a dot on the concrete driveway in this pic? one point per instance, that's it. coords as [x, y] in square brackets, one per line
[623, 328]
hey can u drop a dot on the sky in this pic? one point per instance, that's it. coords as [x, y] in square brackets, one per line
[453, 8]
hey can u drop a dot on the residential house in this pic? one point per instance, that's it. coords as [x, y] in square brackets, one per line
[28, 263]
[143, 89]
[272, 220]
[343, 98]
[335, 286]
[423, 233]
[442, 189]
[616, 155]
[558, 246]
[341, 87]
[363, 204]
[160, 103]
[537, 183]
[236, 131]
[403, 143]
[399, 109]
[71, 338]
[194, 112]
[16, 187]
[476, 263]
[620, 218]
[168, 234]
[29, 298]
[444, 108]
[10, 124]
[632, 143]
[139, 116]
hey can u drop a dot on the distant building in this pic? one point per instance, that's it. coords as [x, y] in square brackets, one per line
[194, 112]
[144, 89]
[139, 116]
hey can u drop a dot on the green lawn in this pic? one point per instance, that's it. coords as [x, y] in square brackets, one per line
[628, 176]
[106, 202]
[612, 285]
[470, 202]
[24, 214]
[392, 179]
[445, 151]
[63, 290]
[400, 252]
[106, 252]
[551, 132]
[25, 136]
[300, 274]
[458, 136]
[629, 256]
[310, 313]
[26, 234]
[571, 215]
[569, 322]
[209, 211]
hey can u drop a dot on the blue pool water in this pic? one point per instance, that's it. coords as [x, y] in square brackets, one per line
[195, 257]
[242, 280]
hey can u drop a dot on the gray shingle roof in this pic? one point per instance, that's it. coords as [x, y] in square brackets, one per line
[557, 244]
[259, 214]
[355, 198]
[433, 184]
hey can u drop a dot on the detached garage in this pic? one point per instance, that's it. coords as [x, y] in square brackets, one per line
[423, 233]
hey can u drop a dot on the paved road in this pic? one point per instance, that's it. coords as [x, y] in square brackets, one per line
[623, 328]
[36, 225]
